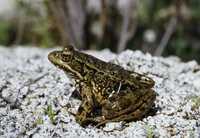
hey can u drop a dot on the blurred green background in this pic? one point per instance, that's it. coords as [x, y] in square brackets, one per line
[162, 28]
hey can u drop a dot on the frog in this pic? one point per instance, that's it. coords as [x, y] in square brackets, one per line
[108, 92]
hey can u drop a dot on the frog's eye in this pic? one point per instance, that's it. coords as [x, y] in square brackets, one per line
[68, 49]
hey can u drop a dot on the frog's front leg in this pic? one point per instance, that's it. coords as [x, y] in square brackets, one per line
[87, 105]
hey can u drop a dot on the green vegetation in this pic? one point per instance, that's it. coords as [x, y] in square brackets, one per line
[50, 113]
[149, 131]
[39, 121]
[196, 102]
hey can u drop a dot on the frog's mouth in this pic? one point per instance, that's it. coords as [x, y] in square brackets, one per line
[54, 57]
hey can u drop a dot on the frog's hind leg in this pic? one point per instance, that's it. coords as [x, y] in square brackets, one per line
[136, 114]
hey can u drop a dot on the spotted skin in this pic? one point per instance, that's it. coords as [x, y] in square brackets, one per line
[108, 92]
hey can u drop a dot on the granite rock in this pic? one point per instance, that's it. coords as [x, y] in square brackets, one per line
[34, 95]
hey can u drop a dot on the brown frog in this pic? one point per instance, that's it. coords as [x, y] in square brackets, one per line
[108, 92]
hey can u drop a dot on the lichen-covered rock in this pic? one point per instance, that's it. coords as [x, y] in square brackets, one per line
[34, 97]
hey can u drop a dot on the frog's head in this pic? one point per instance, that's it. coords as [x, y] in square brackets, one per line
[62, 58]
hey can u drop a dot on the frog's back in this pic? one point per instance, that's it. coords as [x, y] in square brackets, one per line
[115, 72]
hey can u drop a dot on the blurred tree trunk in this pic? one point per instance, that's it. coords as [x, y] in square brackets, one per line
[129, 23]
[109, 20]
[69, 19]
[76, 23]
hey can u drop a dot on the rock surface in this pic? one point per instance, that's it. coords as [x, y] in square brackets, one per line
[34, 96]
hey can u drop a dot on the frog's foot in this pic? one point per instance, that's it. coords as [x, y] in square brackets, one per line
[99, 121]
[95, 120]
[117, 119]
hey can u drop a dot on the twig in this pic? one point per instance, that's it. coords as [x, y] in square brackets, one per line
[70, 20]
[165, 39]
[58, 15]
[76, 17]
[103, 15]
[128, 25]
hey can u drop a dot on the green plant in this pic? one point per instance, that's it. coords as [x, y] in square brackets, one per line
[50, 113]
[149, 131]
[39, 121]
[196, 102]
